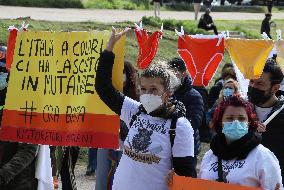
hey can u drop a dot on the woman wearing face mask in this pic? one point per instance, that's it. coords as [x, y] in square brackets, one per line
[236, 155]
[230, 88]
[151, 149]
[108, 159]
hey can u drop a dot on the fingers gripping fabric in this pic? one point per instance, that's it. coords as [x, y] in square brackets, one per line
[202, 56]
[249, 55]
[148, 46]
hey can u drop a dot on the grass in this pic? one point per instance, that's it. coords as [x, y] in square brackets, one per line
[44, 3]
[167, 46]
[130, 5]
[117, 4]
[83, 156]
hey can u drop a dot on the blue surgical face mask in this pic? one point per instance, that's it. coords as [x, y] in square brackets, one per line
[235, 130]
[227, 92]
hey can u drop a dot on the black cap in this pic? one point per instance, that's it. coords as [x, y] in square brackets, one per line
[177, 63]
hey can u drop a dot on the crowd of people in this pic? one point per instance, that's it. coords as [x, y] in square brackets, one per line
[164, 119]
[242, 149]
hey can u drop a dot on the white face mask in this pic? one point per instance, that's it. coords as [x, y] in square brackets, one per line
[151, 102]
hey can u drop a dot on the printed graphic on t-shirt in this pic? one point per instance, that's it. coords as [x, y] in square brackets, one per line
[144, 158]
[141, 141]
[139, 147]
[227, 168]
[145, 123]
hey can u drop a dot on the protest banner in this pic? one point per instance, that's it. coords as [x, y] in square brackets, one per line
[187, 183]
[51, 96]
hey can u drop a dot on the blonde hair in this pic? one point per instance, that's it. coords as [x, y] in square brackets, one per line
[236, 87]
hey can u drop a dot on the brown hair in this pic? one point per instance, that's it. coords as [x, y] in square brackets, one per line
[131, 76]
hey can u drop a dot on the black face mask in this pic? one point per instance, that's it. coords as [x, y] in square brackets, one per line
[257, 97]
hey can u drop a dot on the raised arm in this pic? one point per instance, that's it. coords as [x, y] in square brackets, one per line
[183, 149]
[108, 94]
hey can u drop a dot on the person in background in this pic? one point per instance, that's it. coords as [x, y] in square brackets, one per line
[230, 88]
[192, 101]
[68, 162]
[92, 161]
[204, 130]
[269, 4]
[265, 25]
[108, 159]
[262, 94]
[196, 6]
[157, 6]
[207, 4]
[236, 155]
[17, 160]
[206, 22]
[54, 166]
[226, 73]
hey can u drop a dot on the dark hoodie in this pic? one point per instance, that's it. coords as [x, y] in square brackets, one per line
[17, 165]
[194, 106]
[114, 100]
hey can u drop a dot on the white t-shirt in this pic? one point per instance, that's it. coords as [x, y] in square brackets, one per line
[146, 159]
[260, 169]
[262, 113]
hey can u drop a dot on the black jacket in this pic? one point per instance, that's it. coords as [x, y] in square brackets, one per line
[193, 103]
[205, 19]
[214, 93]
[273, 138]
[17, 165]
[265, 27]
[205, 132]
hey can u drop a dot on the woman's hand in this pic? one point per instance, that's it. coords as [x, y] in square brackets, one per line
[114, 38]
[170, 176]
[261, 128]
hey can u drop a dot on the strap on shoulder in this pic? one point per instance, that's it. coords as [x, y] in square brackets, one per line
[134, 117]
[172, 131]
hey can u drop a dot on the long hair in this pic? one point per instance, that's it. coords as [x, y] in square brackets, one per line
[130, 88]
[235, 101]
